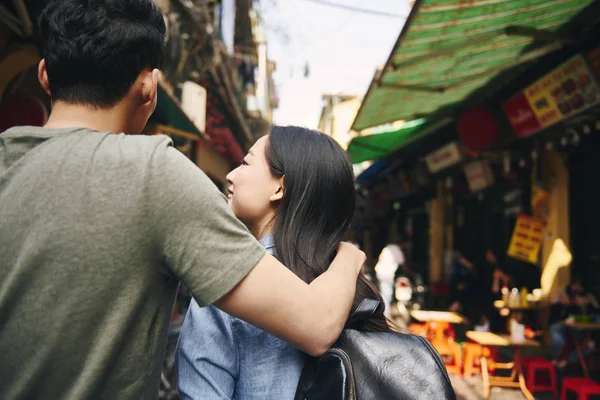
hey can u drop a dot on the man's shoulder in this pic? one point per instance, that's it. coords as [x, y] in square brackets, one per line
[127, 151]
[124, 144]
[142, 144]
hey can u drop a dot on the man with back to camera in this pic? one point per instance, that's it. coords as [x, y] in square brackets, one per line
[98, 228]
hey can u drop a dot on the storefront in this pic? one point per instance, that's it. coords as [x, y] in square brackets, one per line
[535, 136]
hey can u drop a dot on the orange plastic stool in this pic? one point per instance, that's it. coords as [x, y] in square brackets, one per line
[454, 351]
[473, 353]
[584, 387]
[418, 329]
[534, 365]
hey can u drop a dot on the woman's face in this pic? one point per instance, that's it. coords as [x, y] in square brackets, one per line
[253, 190]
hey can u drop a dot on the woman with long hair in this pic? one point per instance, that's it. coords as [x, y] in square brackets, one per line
[295, 193]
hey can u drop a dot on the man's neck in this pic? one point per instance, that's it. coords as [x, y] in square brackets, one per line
[65, 115]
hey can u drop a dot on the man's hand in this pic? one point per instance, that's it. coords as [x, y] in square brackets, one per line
[310, 317]
[355, 256]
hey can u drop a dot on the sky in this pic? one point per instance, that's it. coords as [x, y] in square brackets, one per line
[342, 49]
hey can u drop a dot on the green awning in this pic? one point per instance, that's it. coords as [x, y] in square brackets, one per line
[380, 145]
[169, 112]
[449, 48]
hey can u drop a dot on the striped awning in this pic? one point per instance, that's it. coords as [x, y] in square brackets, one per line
[450, 48]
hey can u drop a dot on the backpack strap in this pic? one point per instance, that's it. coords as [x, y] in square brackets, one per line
[365, 309]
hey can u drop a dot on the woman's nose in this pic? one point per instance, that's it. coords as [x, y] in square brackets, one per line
[231, 175]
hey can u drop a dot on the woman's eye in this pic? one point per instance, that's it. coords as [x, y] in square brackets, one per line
[244, 162]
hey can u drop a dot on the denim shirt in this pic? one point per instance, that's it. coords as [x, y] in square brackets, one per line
[222, 357]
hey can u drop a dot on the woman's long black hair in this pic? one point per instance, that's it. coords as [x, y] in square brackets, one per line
[317, 207]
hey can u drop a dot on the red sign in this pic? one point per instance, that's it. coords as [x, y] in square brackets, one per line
[521, 115]
[566, 91]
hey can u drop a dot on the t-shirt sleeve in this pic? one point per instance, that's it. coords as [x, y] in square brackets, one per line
[202, 242]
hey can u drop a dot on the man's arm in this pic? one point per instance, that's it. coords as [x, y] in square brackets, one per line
[310, 317]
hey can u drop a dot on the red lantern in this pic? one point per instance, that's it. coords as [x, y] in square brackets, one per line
[478, 129]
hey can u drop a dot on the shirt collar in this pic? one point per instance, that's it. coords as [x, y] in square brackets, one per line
[268, 243]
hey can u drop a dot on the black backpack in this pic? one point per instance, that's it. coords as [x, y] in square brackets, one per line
[376, 365]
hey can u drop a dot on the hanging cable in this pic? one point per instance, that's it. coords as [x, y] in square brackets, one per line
[356, 9]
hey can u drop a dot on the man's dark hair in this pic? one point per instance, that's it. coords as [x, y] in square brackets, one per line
[96, 49]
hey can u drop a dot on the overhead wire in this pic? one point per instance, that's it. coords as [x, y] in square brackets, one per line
[356, 9]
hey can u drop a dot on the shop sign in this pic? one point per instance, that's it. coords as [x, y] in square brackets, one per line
[565, 91]
[443, 157]
[479, 175]
[521, 115]
[193, 103]
[527, 239]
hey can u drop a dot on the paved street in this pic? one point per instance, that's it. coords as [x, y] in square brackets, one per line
[472, 389]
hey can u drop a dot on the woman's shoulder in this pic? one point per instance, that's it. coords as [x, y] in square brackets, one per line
[206, 315]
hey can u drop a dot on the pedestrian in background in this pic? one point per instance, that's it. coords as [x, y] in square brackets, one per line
[390, 260]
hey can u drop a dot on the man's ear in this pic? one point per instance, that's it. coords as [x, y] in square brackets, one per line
[278, 195]
[150, 88]
[155, 78]
[43, 77]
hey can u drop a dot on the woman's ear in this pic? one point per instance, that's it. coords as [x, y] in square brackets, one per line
[278, 195]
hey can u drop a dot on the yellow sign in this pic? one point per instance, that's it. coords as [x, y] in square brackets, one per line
[563, 92]
[527, 239]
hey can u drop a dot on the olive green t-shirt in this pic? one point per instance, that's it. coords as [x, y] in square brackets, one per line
[96, 231]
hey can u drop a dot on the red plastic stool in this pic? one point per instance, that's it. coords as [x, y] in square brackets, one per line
[535, 364]
[582, 386]
[526, 360]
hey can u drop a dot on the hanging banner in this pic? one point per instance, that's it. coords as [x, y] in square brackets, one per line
[479, 175]
[193, 103]
[443, 157]
[565, 91]
[526, 239]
